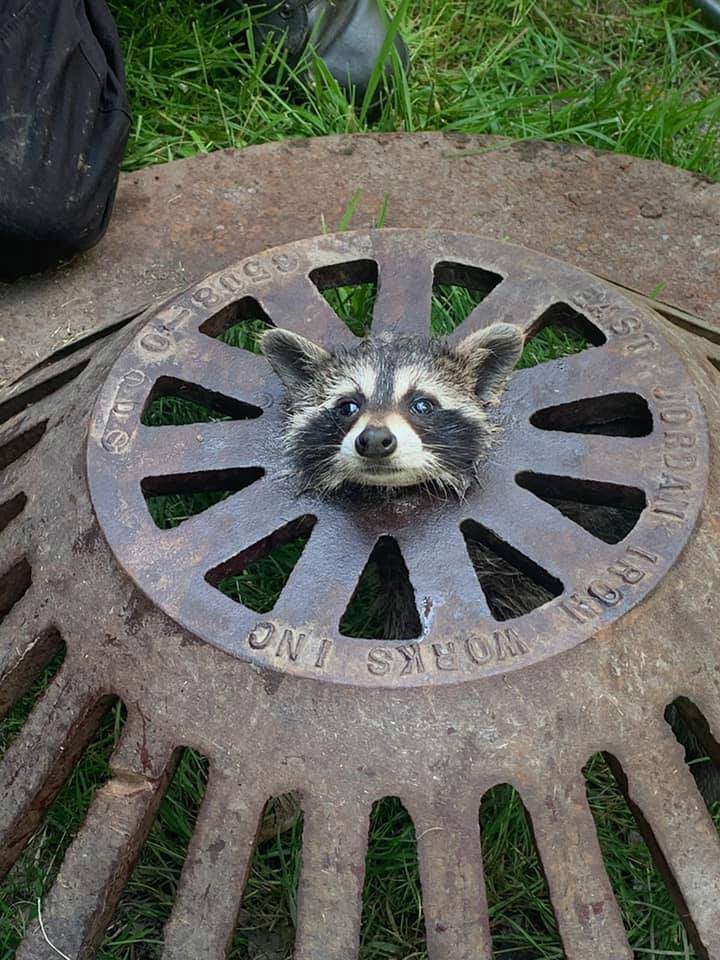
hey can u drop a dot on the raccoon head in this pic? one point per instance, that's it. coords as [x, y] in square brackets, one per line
[391, 412]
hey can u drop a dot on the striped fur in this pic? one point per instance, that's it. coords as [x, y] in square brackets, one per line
[381, 381]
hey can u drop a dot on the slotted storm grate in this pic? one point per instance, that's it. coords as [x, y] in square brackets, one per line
[405, 674]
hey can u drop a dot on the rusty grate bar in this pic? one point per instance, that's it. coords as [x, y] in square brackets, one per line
[284, 700]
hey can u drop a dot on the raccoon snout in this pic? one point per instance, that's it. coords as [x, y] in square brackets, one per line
[376, 442]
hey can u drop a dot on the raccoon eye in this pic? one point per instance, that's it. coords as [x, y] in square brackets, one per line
[422, 406]
[347, 408]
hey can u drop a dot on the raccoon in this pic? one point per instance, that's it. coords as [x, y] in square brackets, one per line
[399, 413]
[391, 413]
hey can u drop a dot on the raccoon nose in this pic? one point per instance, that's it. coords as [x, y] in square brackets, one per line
[375, 442]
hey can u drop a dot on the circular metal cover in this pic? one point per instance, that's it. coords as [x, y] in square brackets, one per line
[460, 638]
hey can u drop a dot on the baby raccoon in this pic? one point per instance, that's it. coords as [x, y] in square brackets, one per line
[397, 413]
[391, 413]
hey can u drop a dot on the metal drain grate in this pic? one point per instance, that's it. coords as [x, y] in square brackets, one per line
[173, 352]
[478, 699]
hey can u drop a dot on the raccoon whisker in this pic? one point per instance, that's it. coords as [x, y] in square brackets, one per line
[332, 474]
[437, 493]
[450, 486]
[317, 480]
[452, 489]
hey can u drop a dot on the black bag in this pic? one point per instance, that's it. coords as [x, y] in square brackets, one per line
[64, 123]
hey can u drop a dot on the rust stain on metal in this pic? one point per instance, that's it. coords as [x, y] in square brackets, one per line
[461, 640]
[580, 205]
[283, 701]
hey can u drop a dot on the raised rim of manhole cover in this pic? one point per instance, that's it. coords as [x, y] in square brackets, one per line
[663, 466]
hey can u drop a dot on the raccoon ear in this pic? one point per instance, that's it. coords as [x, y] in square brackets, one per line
[292, 357]
[492, 354]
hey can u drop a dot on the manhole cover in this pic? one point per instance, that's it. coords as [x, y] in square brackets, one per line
[553, 440]
[290, 699]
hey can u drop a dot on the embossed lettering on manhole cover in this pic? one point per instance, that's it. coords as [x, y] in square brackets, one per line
[651, 463]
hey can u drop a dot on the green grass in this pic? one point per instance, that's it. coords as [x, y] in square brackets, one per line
[33, 874]
[260, 584]
[245, 334]
[392, 923]
[354, 305]
[451, 305]
[522, 920]
[11, 724]
[552, 342]
[638, 78]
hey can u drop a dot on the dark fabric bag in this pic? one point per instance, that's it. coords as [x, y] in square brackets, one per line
[64, 123]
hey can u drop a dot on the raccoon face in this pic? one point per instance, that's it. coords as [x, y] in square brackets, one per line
[391, 412]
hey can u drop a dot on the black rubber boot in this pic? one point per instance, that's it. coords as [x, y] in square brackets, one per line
[287, 19]
[347, 34]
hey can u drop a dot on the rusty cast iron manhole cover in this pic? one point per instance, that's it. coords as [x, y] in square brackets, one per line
[286, 701]
[596, 581]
